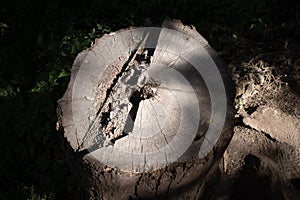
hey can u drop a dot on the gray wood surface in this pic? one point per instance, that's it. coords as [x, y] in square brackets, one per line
[182, 114]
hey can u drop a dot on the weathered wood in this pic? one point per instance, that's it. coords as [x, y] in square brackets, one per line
[150, 112]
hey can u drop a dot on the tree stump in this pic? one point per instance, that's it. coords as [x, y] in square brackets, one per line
[147, 113]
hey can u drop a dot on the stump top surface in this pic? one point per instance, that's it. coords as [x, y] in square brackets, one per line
[143, 98]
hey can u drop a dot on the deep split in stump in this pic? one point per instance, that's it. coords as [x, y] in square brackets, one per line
[148, 114]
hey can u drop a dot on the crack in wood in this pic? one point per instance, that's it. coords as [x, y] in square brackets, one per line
[136, 186]
[112, 118]
[88, 139]
[146, 92]
[185, 169]
[133, 81]
[268, 136]
[173, 176]
[159, 180]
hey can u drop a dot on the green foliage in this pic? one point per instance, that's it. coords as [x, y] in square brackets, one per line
[39, 41]
[34, 196]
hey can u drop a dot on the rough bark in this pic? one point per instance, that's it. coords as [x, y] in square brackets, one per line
[148, 114]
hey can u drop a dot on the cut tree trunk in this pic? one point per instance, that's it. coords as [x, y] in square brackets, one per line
[147, 114]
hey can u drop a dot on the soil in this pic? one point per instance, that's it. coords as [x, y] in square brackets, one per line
[262, 160]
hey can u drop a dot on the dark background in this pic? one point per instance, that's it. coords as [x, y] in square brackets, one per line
[40, 39]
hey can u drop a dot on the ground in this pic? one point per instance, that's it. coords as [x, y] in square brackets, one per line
[262, 160]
